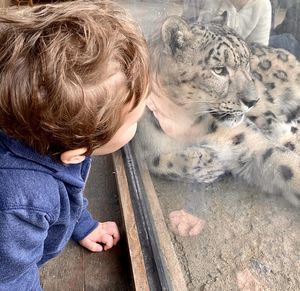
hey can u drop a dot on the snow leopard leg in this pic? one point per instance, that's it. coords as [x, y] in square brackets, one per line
[197, 163]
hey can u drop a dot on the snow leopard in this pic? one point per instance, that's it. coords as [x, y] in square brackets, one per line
[244, 101]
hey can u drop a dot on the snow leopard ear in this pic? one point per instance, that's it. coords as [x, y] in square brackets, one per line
[174, 33]
[221, 19]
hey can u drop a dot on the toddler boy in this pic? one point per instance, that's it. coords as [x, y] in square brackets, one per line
[74, 78]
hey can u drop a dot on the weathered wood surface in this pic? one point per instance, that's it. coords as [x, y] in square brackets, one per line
[135, 251]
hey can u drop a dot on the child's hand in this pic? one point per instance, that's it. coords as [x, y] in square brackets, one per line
[106, 233]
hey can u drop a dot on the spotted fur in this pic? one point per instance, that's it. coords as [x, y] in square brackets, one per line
[243, 104]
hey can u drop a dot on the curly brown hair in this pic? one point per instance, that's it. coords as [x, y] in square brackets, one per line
[56, 63]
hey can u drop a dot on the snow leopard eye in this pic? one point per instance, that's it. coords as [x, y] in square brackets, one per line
[221, 71]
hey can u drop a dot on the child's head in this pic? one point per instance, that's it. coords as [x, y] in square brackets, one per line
[69, 74]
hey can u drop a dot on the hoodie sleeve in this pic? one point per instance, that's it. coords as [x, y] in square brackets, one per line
[85, 225]
[22, 235]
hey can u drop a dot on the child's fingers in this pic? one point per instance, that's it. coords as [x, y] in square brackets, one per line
[107, 240]
[116, 239]
[91, 245]
[116, 236]
[113, 230]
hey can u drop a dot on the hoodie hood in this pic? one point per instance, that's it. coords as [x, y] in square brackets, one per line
[15, 154]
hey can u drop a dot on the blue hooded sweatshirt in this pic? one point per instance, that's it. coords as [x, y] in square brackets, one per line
[41, 208]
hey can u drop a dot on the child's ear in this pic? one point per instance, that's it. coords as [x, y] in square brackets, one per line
[73, 156]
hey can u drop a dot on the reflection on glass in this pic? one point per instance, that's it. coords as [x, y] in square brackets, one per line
[228, 178]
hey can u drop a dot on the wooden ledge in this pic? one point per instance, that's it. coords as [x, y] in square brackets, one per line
[135, 251]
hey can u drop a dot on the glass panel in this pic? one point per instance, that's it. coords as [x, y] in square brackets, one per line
[227, 180]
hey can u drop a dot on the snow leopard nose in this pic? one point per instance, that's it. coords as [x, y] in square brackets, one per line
[249, 103]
